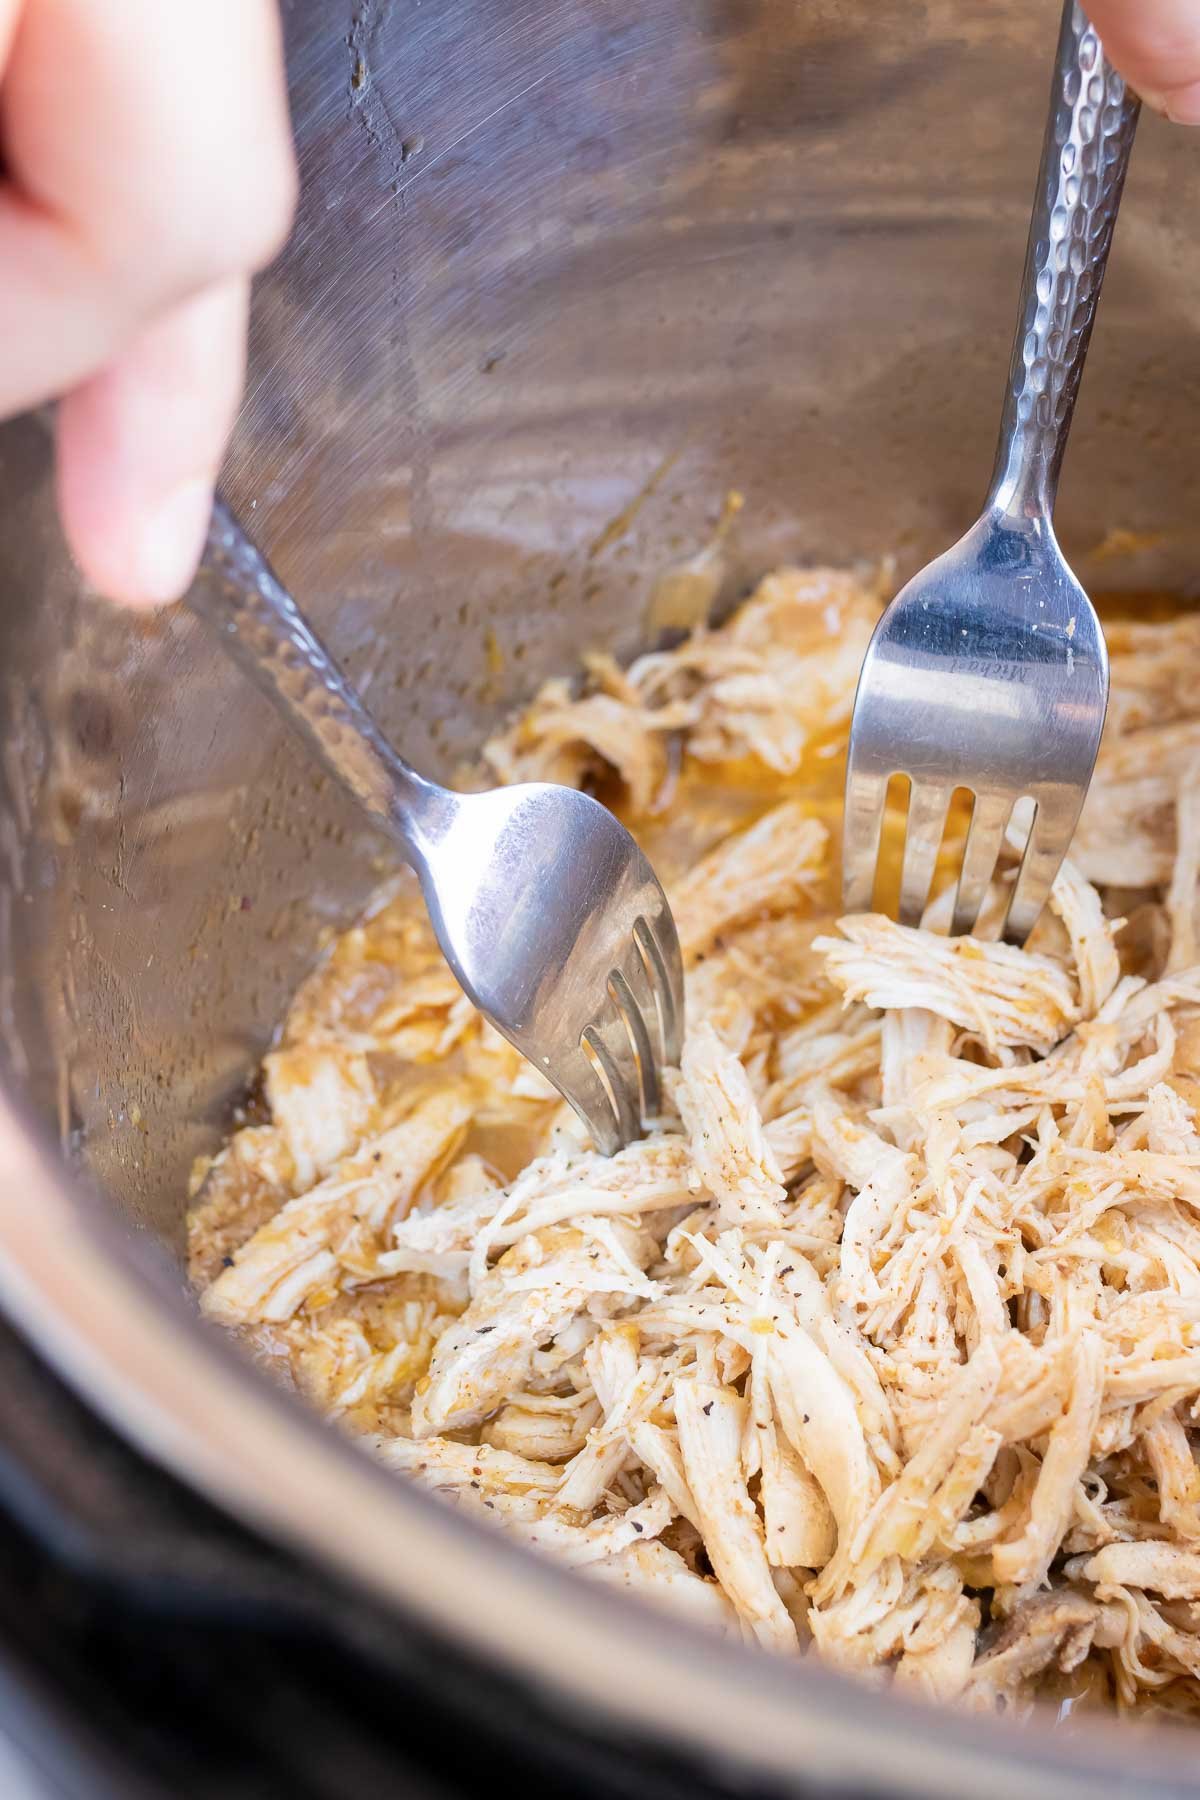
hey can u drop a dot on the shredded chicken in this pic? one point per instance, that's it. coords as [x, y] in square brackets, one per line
[884, 1345]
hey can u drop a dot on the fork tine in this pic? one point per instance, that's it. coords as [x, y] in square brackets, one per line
[1049, 840]
[985, 836]
[608, 1039]
[866, 795]
[578, 1080]
[630, 993]
[663, 963]
[927, 806]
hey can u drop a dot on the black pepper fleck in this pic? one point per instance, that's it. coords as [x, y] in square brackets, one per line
[707, 1409]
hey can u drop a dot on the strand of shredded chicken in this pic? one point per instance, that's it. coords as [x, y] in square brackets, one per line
[885, 1343]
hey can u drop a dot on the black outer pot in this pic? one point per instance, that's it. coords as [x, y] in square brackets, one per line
[150, 1646]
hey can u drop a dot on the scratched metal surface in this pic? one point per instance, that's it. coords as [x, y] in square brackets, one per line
[555, 267]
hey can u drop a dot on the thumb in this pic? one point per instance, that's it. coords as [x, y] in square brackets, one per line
[1156, 46]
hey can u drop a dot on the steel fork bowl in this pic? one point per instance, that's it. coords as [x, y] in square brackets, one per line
[551, 918]
[988, 672]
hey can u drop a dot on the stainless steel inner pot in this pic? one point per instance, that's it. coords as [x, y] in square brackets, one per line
[563, 276]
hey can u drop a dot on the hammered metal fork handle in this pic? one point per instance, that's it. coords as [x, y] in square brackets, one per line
[1085, 154]
[241, 597]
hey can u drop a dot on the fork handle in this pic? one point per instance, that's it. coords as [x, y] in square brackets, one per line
[239, 595]
[1085, 154]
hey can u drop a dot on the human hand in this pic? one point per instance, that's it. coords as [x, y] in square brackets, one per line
[1156, 46]
[148, 171]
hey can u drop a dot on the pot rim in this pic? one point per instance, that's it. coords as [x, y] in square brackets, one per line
[105, 1312]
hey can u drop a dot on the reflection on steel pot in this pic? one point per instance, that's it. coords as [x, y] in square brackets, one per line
[562, 278]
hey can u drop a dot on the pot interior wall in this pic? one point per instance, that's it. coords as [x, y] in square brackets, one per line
[561, 279]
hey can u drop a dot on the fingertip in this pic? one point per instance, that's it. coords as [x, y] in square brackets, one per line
[165, 546]
[135, 547]
[139, 447]
[136, 551]
[1180, 105]
[1156, 46]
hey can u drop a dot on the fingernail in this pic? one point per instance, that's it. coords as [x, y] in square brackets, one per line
[171, 540]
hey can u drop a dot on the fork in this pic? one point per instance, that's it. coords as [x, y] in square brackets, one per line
[552, 920]
[988, 672]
